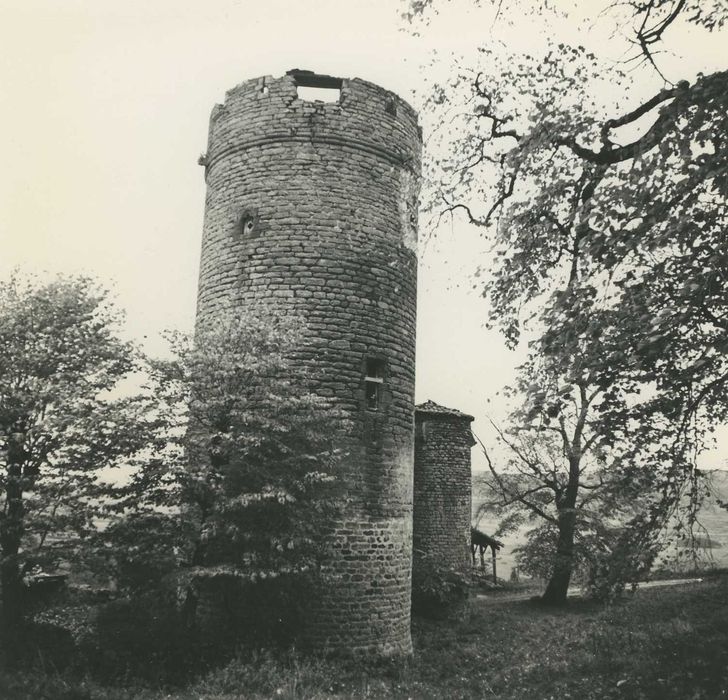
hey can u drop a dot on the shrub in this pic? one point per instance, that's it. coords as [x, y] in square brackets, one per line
[229, 613]
[437, 590]
[145, 638]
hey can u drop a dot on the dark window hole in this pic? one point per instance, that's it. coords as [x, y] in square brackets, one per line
[373, 383]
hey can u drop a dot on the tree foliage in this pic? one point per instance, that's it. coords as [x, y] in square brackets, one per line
[244, 484]
[607, 214]
[579, 516]
[61, 424]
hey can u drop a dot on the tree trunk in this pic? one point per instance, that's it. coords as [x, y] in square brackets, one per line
[13, 604]
[555, 593]
[13, 589]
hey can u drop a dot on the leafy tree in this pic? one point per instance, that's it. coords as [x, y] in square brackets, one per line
[550, 482]
[244, 484]
[577, 511]
[605, 244]
[61, 427]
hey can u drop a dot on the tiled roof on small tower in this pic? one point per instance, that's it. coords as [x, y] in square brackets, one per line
[432, 407]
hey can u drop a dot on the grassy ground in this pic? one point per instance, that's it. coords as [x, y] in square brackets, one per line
[663, 644]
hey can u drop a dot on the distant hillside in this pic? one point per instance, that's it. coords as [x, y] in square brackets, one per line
[712, 533]
[712, 530]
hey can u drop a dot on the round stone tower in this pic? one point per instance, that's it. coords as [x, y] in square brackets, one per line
[442, 486]
[312, 207]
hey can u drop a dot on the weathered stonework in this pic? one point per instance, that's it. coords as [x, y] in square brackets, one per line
[442, 486]
[312, 208]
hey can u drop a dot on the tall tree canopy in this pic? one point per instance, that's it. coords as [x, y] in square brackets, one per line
[607, 212]
[61, 428]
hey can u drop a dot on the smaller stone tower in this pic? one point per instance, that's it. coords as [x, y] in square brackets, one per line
[442, 485]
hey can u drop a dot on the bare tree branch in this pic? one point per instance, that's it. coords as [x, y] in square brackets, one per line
[609, 155]
[517, 497]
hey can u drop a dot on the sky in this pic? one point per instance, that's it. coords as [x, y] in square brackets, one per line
[104, 109]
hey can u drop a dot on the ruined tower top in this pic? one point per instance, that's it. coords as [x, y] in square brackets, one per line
[356, 114]
[348, 97]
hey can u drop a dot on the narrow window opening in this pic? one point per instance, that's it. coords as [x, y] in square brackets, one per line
[247, 223]
[372, 396]
[373, 383]
[247, 226]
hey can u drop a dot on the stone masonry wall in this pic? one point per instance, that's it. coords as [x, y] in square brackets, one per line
[311, 207]
[442, 485]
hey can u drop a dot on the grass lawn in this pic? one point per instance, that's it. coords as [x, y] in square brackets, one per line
[664, 643]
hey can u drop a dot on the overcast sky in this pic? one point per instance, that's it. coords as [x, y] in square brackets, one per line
[104, 108]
